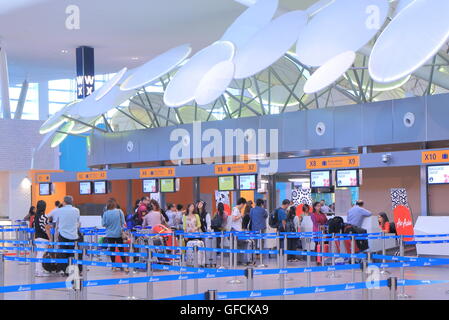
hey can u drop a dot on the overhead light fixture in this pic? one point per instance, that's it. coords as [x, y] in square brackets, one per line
[64, 51]
[135, 58]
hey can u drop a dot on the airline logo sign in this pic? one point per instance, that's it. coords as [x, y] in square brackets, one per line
[157, 172]
[43, 178]
[92, 175]
[236, 168]
[435, 156]
[333, 162]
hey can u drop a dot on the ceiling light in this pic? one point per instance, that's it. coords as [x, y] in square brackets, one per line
[64, 51]
[135, 58]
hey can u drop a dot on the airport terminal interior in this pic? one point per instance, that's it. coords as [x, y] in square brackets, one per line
[224, 150]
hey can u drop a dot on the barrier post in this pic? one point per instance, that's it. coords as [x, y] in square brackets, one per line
[84, 276]
[173, 245]
[281, 275]
[285, 256]
[2, 228]
[72, 292]
[353, 258]
[183, 282]
[2, 274]
[261, 264]
[384, 252]
[150, 295]
[402, 295]
[332, 244]
[211, 295]
[363, 266]
[131, 271]
[222, 253]
[322, 250]
[278, 247]
[393, 285]
[231, 254]
[309, 274]
[249, 274]
[31, 270]
[195, 264]
[234, 258]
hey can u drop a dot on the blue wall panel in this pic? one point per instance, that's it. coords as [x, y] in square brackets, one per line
[73, 154]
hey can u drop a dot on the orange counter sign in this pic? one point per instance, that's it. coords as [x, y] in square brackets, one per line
[43, 178]
[157, 172]
[91, 175]
[435, 156]
[236, 168]
[333, 162]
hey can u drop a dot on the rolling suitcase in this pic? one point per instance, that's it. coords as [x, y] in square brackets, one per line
[211, 256]
[190, 256]
[246, 258]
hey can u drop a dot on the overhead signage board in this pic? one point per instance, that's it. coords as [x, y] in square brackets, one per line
[157, 172]
[91, 175]
[333, 162]
[438, 156]
[237, 168]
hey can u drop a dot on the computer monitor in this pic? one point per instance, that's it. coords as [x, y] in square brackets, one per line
[45, 189]
[320, 179]
[248, 182]
[85, 187]
[167, 185]
[438, 174]
[149, 186]
[347, 178]
[226, 183]
[100, 187]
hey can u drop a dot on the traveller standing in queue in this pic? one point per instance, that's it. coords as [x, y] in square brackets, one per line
[142, 210]
[179, 215]
[258, 216]
[204, 216]
[324, 208]
[282, 219]
[114, 221]
[171, 214]
[319, 219]
[41, 235]
[191, 221]
[246, 221]
[237, 215]
[357, 214]
[154, 217]
[68, 223]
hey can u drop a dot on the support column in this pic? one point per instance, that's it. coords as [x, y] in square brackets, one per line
[129, 197]
[271, 193]
[43, 101]
[196, 188]
[424, 191]
[4, 84]
[22, 98]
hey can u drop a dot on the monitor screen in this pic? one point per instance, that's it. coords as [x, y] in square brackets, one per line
[347, 178]
[100, 187]
[438, 174]
[85, 187]
[320, 179]
[149, 186]
[167, 185]
[226, 183]
[45, 189]
[248, 182]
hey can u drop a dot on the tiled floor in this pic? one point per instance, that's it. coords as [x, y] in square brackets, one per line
[16, 273]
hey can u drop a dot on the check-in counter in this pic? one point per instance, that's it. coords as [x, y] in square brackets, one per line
[432, 225]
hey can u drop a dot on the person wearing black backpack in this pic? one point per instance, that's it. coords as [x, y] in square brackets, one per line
[278, 219]
[292, 243]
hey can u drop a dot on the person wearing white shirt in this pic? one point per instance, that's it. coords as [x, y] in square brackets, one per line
[237, 215]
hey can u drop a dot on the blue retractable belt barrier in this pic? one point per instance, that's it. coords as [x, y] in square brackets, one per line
[110, 264]
[58, 250]
[108, 245]
[38, 260]
[122, 254]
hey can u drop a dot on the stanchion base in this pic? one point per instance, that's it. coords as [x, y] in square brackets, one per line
[262, 266]
[385, 272]
[403, 296]
[131, 298]
[222, 267]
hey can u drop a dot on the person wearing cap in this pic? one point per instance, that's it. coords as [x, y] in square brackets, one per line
[357, 214]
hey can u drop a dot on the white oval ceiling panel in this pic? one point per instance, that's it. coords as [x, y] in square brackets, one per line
[317, 7]
[57, 119]
[402, 4]
[111, 83]
[329, 72]
[214, 82]
[250, 22]
[269, 44]
[344, 25]
[182, 87]
[157, 67]
[413, 37]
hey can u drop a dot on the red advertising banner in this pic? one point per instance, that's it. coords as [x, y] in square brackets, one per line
[401, 212]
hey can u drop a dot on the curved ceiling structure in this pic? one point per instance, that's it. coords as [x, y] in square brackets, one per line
[264, 73]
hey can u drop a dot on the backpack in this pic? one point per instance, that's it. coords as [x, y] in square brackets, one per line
[217, 222]
[335, 225]
[362, 245]
[131, 220]
[290, 225]
[273, 220]
[50, 266]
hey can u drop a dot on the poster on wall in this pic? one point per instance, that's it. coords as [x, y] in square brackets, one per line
[156, 196]
[301, 197]
[223, 196]
[401, 212]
